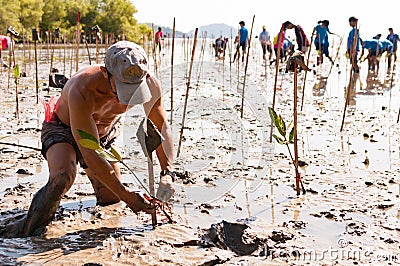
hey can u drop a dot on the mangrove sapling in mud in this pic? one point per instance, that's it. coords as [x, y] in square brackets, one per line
[90, 142]
[17, 73]
[286, 137]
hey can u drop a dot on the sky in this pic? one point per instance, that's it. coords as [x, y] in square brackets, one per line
[374, 17]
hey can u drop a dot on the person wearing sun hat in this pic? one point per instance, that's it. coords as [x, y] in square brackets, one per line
[93, 100]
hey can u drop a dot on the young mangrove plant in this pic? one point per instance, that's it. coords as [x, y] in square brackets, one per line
[113, 155]
[286, 137]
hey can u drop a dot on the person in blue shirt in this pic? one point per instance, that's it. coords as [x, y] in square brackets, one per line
[394, 38]
[374, 47]
[353, 48]
[387, 46]
[321, 41]
[244, 38]
[265, 41]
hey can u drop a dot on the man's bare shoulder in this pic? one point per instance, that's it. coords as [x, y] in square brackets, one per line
[86, 81]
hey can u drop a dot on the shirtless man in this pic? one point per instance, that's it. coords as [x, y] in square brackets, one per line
[92, 101]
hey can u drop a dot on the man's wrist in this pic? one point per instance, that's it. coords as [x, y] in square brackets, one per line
[168, 172]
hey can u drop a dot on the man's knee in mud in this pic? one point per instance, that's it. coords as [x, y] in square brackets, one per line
[62, 180]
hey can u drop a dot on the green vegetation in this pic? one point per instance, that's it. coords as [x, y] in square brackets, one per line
[112, 16]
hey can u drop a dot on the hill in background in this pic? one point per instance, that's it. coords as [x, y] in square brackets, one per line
[167, 30]
[216, 30]
[213, 30]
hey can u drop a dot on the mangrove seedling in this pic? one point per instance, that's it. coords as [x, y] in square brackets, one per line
[113, 155]
[286, 137]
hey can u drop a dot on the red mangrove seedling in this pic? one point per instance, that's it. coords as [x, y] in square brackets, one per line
[286, 137]
[113, 155]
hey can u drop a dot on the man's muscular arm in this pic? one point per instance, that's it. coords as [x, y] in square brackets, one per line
[165, 152]
[81, 107]
[155, 111]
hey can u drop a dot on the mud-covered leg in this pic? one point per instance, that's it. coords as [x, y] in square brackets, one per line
[104, 196]
[61, 160]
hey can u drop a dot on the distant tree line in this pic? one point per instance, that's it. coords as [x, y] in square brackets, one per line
[112, 16]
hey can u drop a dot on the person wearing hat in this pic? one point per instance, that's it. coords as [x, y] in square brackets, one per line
[93, 100]
[265, 41]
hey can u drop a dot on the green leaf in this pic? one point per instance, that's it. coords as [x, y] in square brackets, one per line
[272, 114]
[116, 153]
[85, 135]
[16, 71]
[106, 155]
[90, 144]
[280, 125]
[278, 121]
[291, 135]
[279, 139]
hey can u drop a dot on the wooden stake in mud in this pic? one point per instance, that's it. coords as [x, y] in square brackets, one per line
[276, 75]
[172, 71]
[295, 61]
[305, 74]
[35, 38]
[245, 68]
[96, 30]
[336, 56]
[149, 138]
[187, 93]
[353, 65]
[78, 40]
[154, 50]
[88, 52]
[296, 150]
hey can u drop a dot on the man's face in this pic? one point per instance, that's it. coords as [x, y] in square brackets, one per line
[352, 23]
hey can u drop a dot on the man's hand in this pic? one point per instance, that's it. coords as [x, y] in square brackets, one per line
[165, 188]
[137, 203]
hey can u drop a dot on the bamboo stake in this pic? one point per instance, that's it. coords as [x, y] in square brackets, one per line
[97, 48]
[276, 77]
[65, 48]
[230, 47]
[78, 40]
[20, 145]
[245, 67]
[172, 71]
[35, 38]
[336, 56]
[353, 62]
[88, 52]
[296, 150]
[9, 62]
[201, 58]
[305, 74]
[187, 93]
[154, 50]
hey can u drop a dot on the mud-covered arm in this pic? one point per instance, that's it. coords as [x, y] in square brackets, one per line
[80, 109]
[155, 111]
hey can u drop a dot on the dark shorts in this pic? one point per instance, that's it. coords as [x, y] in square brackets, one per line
[243, 45]
[55, 131]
